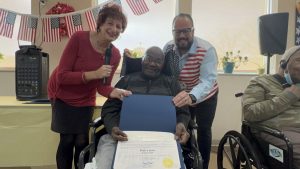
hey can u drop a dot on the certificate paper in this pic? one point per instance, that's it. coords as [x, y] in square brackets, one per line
[149, 150]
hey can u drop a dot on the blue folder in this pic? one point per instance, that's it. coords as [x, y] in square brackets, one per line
[149, 113]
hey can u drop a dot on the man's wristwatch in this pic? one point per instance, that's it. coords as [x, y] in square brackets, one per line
[193, 98]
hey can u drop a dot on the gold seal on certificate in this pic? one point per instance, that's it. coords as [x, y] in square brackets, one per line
[168, 162]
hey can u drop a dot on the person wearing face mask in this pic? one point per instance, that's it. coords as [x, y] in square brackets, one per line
[150, 81]
[79, 75]
[274, 101]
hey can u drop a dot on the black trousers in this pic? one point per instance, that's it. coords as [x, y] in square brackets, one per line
[204, 114]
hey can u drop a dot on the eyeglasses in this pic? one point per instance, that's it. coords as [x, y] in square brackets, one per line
[157, 62]
[185, 31]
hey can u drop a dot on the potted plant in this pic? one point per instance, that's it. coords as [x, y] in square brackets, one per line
[231, 61]
[1, 56]
[260, 68]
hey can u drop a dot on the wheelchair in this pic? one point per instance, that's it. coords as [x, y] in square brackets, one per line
[191, 154]
[246, 150]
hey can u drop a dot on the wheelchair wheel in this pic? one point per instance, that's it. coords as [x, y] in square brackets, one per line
[238, 152]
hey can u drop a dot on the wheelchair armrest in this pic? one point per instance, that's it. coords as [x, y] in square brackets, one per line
[273, 132]
[276, 133]
[192, 125]
[239, 94]
[88, 149]
[266, 129]
[96, 123]
[97, 126]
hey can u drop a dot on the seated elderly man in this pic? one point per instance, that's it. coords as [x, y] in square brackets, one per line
[273, 100]
[149, 81]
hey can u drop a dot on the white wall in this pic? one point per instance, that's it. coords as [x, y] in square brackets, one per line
[228, 115]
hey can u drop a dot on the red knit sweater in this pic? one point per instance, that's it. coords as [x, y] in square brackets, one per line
[66, 81]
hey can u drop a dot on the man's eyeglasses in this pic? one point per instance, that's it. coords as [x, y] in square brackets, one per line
[157, 62]
[184, 31]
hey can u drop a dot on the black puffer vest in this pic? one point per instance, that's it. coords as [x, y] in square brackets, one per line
[163, 85]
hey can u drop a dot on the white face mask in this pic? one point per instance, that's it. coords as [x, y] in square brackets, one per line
[288, 78]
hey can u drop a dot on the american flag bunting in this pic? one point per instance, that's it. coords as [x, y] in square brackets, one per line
[91, 17]
[138, 7]
[51, 29]
[73, 23]
[157, 1]
[7, 22]
[28, 27]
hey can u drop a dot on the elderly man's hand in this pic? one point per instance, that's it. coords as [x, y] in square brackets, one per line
[118, 134]
[119, 93]
[181, 134]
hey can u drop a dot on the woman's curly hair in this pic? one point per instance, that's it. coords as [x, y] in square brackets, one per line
[111, 10]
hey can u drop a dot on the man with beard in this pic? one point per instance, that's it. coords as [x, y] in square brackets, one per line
[150, 81]
[273, 100]
[193, 62]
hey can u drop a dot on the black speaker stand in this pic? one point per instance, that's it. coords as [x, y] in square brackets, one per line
[268, 62]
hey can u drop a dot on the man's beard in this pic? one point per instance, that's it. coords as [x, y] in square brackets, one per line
[184, 47]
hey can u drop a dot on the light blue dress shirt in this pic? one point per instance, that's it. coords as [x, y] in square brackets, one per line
[208, 68]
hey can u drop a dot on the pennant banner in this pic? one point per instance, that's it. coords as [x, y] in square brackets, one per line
[73, 23]
[51, 25]
[138, 7]
[91, 17]
[157, 1]
[51, 29]
[7, 22]
[28, 26]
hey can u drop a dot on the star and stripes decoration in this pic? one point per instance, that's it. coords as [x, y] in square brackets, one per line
[7, 22]
[51, 29]
[28, 27]
[138, 7]
[157, 1]
[73, 23]
[91, 17]
[297, 33]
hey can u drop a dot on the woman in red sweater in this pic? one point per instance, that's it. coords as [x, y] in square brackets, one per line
[80, 74]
